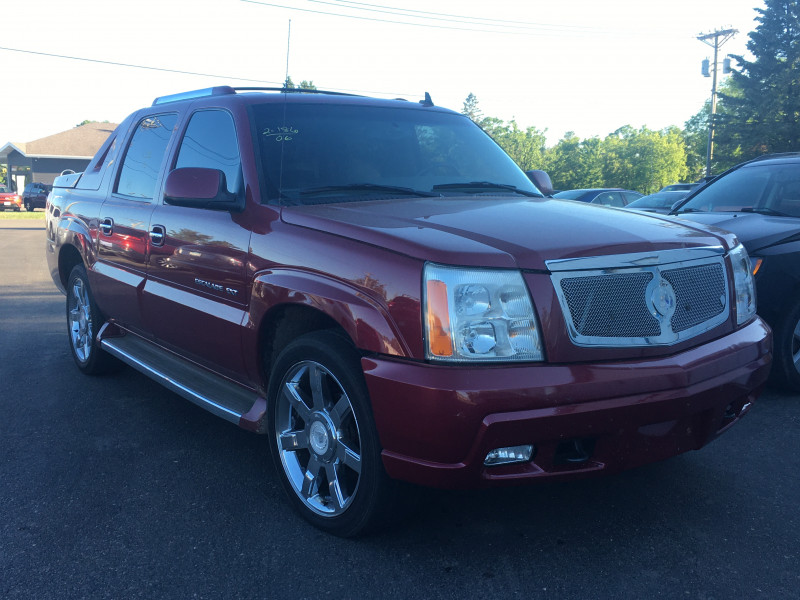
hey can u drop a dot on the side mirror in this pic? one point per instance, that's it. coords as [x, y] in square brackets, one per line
[541, 180]
[198, 187]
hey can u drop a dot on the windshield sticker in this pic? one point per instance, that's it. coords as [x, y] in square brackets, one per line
[280, 134]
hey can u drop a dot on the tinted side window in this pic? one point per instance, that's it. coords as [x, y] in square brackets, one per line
[742, 188]
[210, 142]
[609, 199]
[630, 197]
[145, 155]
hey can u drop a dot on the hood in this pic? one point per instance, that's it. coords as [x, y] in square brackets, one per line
[499, 231]
[755, 231]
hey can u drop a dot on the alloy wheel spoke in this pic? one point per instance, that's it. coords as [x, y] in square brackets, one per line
[335, 486]
[348, 457]
[310, 486]
[76, 293]
[292, 441]
[340, 410]
[315, 375]
[292, 394]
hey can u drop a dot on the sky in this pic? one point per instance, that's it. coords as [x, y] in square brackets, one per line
[587, 66]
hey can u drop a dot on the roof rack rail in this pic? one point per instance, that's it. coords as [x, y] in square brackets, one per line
[220, 90]
[290, 90]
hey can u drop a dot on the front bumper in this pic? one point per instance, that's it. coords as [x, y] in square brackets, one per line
[437, 423]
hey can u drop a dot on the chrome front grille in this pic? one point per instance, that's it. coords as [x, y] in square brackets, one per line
[610, 305]
[642, 299]
[701, 294]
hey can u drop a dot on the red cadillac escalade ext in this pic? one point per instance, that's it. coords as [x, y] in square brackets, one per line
[376, 286]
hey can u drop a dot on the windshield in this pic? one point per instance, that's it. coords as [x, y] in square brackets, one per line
[768, 188]
[658, 200]
[571, 194]
[318, 153]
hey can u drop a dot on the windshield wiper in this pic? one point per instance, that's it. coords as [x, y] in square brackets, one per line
[368, 187]
[765, 211]
[690, 210]
[486, 185]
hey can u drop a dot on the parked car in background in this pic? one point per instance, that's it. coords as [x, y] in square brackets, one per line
[680, 187]
[9, 200]
[660, 202]
[35, 195]
[604, 196]
[759, 201]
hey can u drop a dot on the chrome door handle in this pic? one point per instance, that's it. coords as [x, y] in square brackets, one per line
[157, 235]
[107, 226]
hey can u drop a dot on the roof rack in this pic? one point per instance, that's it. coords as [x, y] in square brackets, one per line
[290, 90]
[225, 90]
[220, 90]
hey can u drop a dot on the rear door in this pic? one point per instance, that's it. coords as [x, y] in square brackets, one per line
[122, 247]
[196, 294]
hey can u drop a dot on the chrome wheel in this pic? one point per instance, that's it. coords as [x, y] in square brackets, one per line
[318, 438]
[83, 324]
[79, 310]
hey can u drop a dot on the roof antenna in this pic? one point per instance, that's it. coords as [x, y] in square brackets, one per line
[427, 101]
[288, 45]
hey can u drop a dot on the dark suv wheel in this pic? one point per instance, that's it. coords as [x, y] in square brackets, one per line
[786, 365]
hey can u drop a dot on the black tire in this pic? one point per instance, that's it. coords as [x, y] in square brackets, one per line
[28, 206]
[786, 350]
[83, 322]
[323, 439]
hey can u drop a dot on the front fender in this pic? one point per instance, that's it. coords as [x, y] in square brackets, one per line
[363, 317]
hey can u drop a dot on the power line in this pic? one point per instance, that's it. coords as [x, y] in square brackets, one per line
[424, 14]
[118, 64]
[501, 26]
[505, 31]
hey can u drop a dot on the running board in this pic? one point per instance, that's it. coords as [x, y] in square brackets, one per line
[217, 395]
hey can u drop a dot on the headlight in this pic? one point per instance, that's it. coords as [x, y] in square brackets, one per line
[479, 315]
[744, 287]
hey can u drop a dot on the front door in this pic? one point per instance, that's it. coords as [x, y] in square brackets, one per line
[196, 294]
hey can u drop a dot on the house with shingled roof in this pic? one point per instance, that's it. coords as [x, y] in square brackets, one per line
[42, 160]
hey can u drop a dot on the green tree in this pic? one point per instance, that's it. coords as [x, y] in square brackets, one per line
[574, 163]
[527, 147]
[727, 151]
[87, 121]
[304, 85]
[643, 159]
[471, 108]
[765, 115]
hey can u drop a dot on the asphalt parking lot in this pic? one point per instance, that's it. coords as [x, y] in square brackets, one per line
[114, 487]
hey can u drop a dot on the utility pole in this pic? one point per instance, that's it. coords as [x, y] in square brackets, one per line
[719, 37]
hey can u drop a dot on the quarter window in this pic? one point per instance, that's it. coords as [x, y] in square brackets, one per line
[145, 155]
[210, 142]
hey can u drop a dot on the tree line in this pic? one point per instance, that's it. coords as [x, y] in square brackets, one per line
[758, 112]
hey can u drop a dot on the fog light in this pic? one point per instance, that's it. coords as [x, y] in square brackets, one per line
[506, 456]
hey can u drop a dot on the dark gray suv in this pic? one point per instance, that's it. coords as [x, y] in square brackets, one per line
[759, 201]
[35, 195]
